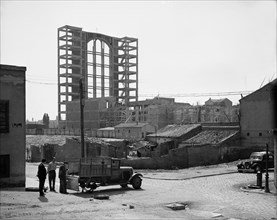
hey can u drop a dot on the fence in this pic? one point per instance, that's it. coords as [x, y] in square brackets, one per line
[58, 131]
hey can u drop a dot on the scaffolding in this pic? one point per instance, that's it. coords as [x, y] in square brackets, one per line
[107, 66]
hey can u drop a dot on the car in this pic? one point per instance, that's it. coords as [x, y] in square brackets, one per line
[256, 162]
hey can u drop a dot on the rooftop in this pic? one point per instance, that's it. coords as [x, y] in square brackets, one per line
[175, 130]
[45, 139]
[131, 125]
[211, 136]
[39, 140]
[12, 67]
[106, 129]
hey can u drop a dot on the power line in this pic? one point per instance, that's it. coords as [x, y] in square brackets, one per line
[43, 83]
[199, 94]
[176, 95]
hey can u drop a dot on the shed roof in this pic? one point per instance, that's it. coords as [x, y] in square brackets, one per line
[270, 84]
[175, 130]
[211, 136]
[131, 125]
[106, 129]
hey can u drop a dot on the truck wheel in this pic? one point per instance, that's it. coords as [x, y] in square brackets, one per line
[92, 185]
[124, 185]
[136, 182]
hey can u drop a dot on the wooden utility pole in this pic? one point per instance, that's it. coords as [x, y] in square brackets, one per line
[82, 104]
[266, 171]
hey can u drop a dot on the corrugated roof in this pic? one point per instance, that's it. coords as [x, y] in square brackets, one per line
[210, 136]
[175, 130]
[131, 125]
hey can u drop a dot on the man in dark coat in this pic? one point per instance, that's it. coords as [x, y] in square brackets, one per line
[62, 176]
[41, 176]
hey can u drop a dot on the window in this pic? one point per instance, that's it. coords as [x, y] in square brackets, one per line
[248, 134]
[4, 166]
[4, 116]
[260, 134]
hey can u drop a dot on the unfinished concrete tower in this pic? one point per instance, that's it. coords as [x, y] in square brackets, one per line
[108, 66]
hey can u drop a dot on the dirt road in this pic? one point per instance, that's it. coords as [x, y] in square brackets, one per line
[200, 193]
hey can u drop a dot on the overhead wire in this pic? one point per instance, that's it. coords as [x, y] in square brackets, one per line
[230, 93]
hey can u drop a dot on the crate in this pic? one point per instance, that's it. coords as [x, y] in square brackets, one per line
[72, 182]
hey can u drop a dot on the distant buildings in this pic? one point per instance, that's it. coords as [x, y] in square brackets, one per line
[12, 125]
[133, 131]
[214, 111]
[158, 111]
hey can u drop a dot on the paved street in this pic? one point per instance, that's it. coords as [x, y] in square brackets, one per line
[207, 195]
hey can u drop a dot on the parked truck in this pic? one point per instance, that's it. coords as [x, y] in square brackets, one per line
[90, 173]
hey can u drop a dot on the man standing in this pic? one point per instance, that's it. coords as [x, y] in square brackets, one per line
[41, 176]
[62, 176]
[52, 174]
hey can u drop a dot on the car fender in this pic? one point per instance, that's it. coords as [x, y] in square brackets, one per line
[255, 165]
[135, 175]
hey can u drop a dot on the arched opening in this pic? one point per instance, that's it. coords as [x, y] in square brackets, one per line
[98, 68]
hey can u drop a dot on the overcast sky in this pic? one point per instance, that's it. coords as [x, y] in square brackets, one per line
[186, 48]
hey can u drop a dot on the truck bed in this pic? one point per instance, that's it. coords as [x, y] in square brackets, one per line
[90, 167]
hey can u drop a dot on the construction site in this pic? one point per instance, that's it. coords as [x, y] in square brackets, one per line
[100, 73]
[106, 66]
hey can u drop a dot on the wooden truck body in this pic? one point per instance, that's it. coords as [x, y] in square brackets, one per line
[100, 171]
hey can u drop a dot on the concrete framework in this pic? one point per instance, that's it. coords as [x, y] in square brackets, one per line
[108, 66]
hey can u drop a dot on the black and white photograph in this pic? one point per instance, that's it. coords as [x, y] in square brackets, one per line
[138, 109]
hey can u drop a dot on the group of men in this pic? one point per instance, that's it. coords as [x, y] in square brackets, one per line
[51, 171]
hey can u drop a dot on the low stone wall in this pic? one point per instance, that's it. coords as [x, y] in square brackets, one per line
[195, 155]
[72, 150]
[184, 157]
[148, 163]
[35, 153]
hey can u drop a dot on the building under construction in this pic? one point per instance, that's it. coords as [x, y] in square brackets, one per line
[107, 67]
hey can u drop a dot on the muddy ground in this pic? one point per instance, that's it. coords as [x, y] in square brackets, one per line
[212, 192]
